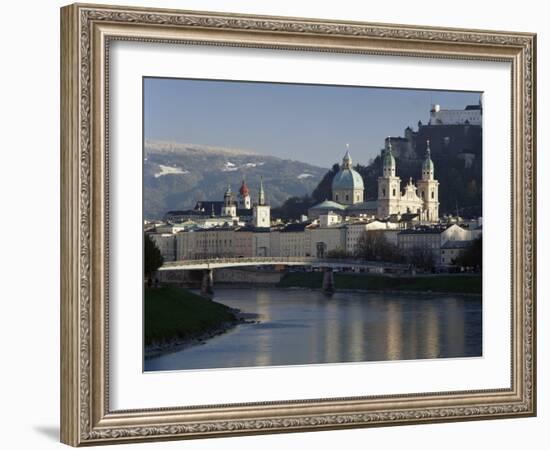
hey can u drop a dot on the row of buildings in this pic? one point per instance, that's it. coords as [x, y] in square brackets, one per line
[316, 238]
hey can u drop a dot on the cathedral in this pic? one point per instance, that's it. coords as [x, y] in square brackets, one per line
[421, 199]
[348, 191]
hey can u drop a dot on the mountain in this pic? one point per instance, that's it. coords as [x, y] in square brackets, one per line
[177, 175]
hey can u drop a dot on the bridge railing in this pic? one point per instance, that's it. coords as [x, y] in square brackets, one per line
[253, 259]
[306, 260]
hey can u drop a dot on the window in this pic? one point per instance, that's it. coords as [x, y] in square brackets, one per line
[432, 194]
[347, 198]
[422, 193]
[383, 192]
[336, 197]
[393, 193]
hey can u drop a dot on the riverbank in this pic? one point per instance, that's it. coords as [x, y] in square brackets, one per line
[455, 284]
[176, 318]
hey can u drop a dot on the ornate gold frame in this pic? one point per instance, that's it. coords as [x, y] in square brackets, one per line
[86, 31]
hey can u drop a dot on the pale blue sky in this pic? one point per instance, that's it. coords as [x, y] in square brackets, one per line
[309, 123]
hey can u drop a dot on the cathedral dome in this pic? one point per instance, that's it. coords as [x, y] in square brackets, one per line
[347, 179]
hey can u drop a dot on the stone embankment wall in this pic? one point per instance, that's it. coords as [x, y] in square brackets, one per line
[230, 275]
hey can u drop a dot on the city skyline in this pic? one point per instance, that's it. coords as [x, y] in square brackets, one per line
[309, 123]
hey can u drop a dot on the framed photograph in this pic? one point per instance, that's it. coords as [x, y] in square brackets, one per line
[276, 224]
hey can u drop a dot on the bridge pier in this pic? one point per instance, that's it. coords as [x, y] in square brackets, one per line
[207, 284]
[328, 280]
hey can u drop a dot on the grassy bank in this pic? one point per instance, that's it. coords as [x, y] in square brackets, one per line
[175, 313]
[460, 284]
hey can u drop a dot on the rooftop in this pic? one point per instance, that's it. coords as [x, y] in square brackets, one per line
[294, 227]
[424, 230]
[329, 204]
[456, 244]
[371, 204]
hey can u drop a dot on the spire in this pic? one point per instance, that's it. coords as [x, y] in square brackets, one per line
[428, 165]
[261, 196]
[389, 160]
[347, 161]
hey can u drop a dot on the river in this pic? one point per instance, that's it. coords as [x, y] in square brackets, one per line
[309, 327]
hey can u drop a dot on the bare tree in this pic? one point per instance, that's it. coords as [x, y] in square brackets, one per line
[373, 246]
[421, 257]
[338, 253]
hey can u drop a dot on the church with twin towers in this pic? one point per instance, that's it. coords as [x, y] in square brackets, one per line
[420, 198]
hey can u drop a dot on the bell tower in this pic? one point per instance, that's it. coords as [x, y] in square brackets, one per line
[229, 209]
[244, 197]
[428, 189]
[389, 185]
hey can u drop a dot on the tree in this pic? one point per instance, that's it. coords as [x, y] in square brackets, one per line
[473, 256]
[421, 257]
[152, 257]
[323, 191]
[293, 208]
[338, 253]
[373, 246]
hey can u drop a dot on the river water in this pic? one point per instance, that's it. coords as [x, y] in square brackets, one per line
[309, 327]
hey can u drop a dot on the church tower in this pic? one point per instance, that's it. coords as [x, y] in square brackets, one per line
[428, 189]
[389, 185]
[244, 197]
[229, 209]
[261, 213]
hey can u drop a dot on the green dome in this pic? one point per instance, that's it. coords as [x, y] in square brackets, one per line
[389, 160]
[347, 179]
[428, 165]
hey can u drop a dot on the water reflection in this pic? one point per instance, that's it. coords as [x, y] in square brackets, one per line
[307, 327]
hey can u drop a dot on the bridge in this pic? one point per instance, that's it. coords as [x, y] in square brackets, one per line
[326, 264]
[218, 263]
